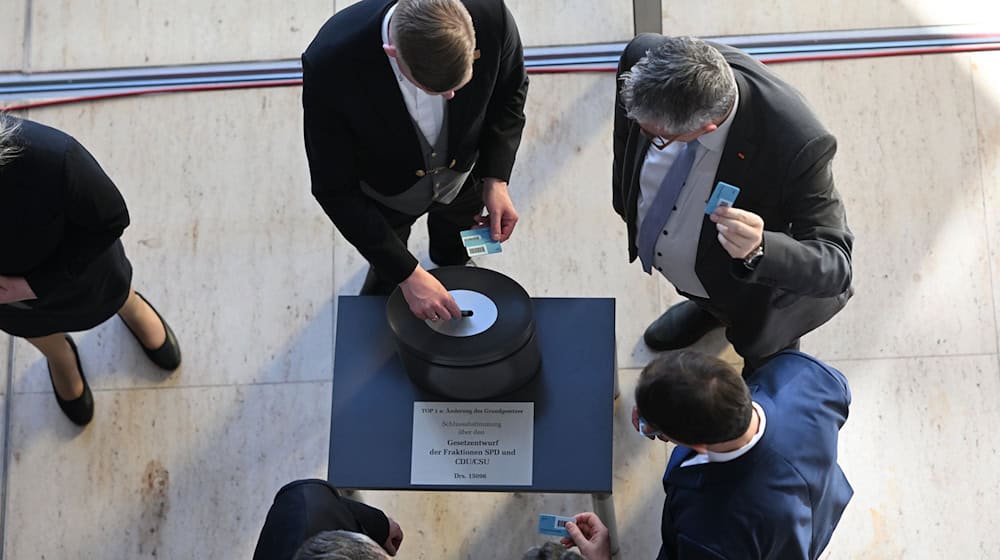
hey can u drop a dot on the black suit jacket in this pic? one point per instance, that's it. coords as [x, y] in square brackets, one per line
[60, 210]
[780, 156]
[305, 508]
[357, 127]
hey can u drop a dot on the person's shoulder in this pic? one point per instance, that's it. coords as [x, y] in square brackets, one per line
[779, 104]
[489, 19]
[347, 34]
[43, 143]
[799, 368]
[485, 10]
[638, 47]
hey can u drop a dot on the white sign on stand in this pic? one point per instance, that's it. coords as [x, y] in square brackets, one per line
[472, 443]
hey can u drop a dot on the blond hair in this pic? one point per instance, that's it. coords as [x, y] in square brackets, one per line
[8, 130]
[435, 40]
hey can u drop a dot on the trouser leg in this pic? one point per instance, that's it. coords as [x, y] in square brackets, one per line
[446, 221]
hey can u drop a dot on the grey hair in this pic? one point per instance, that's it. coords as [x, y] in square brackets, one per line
[340, 545]
[551, 551]
[680, 85]
[8, 131]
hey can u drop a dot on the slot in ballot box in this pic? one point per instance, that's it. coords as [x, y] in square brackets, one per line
[371, 434]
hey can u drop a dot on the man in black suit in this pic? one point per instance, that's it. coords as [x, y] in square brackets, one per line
[414, 107]
[773, 267]
[305, 511]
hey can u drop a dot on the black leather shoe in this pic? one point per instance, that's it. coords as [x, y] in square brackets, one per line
[81, 409]
[168, 355]
[681, 326]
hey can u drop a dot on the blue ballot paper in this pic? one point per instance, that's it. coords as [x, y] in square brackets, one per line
[724, 195]
[553, 525]
[478, 242]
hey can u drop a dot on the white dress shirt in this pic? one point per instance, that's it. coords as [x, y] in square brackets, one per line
[674, 253]
[425, 109]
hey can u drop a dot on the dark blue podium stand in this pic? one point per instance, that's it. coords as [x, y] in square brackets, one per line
[372, 421]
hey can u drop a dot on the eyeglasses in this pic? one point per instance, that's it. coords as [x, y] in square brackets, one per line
[658, 142]
[648, 430]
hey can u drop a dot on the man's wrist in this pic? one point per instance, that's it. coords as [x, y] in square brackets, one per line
[490, 182]
[754, 257]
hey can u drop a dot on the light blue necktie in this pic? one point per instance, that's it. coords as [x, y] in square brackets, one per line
[663, 204]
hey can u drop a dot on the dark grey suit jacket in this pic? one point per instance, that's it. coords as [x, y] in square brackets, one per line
[780, 156]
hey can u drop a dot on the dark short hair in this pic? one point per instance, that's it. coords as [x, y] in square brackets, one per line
[435, 41]
[694, 398]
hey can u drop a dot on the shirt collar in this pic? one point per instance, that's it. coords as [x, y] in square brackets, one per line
[714, 457]
[716, 140]
[385, 41]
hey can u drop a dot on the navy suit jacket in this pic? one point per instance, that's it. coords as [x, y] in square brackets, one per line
[357, 127]
[779, 155]
[783, 498]
[305, 508]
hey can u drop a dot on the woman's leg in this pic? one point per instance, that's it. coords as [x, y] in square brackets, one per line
[62, 363]
[143, 321]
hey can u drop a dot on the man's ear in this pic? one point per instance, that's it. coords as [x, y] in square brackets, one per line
[710, 127]
[389, 50]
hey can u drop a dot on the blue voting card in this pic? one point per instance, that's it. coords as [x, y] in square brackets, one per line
[553, 525]
[724, 195]
[478, 242]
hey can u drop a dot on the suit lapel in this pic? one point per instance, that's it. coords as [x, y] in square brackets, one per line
[461, 107]
[381, 87]
[741, 144]
[690, 477]
[636, 147]
[738, 153]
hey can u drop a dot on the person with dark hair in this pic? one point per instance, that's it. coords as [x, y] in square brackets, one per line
[775, 265]
[62, 264]
[307, 521]
[429, 123]
[754, 473]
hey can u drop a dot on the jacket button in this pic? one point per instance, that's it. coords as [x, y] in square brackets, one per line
[420, 173]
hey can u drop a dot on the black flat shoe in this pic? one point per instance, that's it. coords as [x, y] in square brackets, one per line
[81, 409]
[681, 326]
[168, 355]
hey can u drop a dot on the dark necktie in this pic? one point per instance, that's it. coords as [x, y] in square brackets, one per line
[663, 204]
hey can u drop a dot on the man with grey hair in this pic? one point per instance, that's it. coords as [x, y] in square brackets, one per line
[340, 545]
[777, 263]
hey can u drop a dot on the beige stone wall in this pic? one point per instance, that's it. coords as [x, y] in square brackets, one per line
[736, 17]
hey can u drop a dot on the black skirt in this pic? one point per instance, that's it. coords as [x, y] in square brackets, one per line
[88, 301]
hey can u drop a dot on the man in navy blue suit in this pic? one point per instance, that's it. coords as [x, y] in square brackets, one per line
[754, 474]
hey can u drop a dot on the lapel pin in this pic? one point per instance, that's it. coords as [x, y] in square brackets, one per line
[741, 155]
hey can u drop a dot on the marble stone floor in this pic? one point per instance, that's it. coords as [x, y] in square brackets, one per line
[229, 244]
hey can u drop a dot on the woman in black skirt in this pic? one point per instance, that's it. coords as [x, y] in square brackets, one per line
[62, 266]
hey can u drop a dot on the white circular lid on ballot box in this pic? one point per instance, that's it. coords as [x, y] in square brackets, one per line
[484, 315]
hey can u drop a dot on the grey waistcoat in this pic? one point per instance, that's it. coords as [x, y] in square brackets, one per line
[438, 181]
